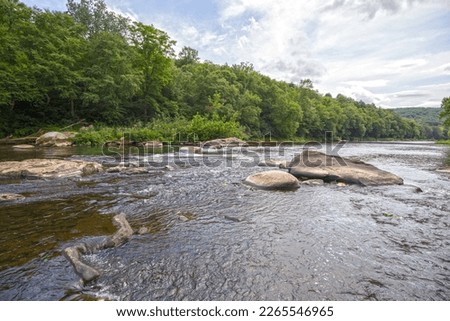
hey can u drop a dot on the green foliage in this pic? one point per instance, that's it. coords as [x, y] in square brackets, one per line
[199, 128]
[445, 113]
[202, 128]
[429, 116]
[90, 63]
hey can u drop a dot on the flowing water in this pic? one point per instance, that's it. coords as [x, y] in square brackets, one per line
[232, 242]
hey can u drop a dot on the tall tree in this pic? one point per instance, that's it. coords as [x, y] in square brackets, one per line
[187, 56]
[110, 79]
[95, 16]
[154, 50]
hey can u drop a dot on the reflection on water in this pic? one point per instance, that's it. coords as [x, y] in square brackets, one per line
[212, 238]
[38, 230]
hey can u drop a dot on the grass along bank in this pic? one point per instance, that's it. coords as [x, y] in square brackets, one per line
[199, 128]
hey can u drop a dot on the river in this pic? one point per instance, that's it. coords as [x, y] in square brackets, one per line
[233, 242]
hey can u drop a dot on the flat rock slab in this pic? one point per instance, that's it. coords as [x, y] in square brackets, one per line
[273, 180]
[48, 168]
[316, 165]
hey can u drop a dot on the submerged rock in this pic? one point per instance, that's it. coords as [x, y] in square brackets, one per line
[273, 163]
[54, 139]
[86, 272]
[274, 180]
[190, 150]
[5, 197]
[313, 182]
[48, 168]
[74, 253]
[313, 164]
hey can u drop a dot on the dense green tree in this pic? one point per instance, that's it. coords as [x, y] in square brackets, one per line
[110, 79]
[91, 63]
[445, 114]
[95, 17]
[17, 79]
[153, 60]
[186, 56]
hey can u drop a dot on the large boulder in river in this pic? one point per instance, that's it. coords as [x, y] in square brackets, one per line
[274, 180]
[316, 165]
[54, 139]
[224, 142]
[48, 168]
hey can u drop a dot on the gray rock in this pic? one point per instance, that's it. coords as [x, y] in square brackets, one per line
[190, 150]
[273, 163]
[54, 139]
[444, 170]
[273, 180]
[153, 144]
[74, 253]
[313, 182]
[313, 164]
[124, 230]
[48, 168]
[86, 128]
[142, 230]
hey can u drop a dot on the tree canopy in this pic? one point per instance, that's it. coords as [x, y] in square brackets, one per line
[93, 64]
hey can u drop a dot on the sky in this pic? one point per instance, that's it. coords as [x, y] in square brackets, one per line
[394, 53]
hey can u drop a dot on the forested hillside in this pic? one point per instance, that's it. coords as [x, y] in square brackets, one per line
[90, 64]
[429, 118]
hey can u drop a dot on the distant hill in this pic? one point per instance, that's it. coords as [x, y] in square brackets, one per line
[428, 116]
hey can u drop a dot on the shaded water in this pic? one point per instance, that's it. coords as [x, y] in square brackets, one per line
[317, 243]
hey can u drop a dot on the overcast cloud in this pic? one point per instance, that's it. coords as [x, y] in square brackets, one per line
[390, 52]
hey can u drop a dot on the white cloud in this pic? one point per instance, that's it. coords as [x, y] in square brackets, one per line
[365, 49]
[378, 50]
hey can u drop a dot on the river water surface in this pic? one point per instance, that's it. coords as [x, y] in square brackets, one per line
[232, 242]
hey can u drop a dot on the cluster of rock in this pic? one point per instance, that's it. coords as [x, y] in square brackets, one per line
[215, 146]
[315, 168]
[125, 142]
[330, 168]
[224, 143]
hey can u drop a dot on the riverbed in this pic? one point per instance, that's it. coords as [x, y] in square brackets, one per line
[210, 237]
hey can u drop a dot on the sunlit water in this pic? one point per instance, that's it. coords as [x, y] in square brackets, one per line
[238, 243]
